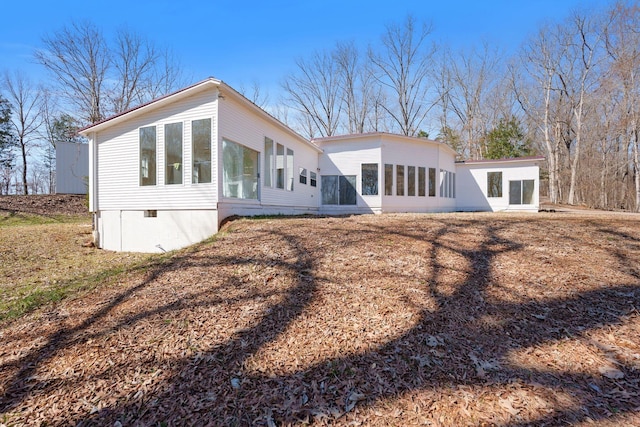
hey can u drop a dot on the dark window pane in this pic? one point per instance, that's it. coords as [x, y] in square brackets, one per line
[148, 155]
[369, 179]
[432, 182]
[173, 153]
[279, 166]
[411, 180]
[388, 180]
[400, 180]
[313, 180]
[421, 181]
[290, 177]
[201, 145]
[527, 191]
[348, 190]
[329, 189]
[494, 184]
[515, 192]
[268, 162]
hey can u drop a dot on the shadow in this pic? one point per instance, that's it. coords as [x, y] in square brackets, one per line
[448, 345]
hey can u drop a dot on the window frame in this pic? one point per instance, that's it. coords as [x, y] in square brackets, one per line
[303, 175]
[152, 161]
[400, 173]
[175, 165]
[195, 167]
[241, 172]
[369, 179]
[497, 186]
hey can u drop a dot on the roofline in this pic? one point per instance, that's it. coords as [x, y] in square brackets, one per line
[240, 97]
[155, 103]
[503, 160]
[337, 138]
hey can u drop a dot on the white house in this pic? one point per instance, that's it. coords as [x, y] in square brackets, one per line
[165, 174]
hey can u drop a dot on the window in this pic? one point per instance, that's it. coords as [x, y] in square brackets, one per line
[369, 179]
[313, 179]
[279, 166]
[442, 183]
[239, 171]
[173, 153]
[268, 162]
[388, 180]
[201, 145]
[148, 155]
[290, 176]
[400, 180]
[494, 184]
[422, 178]
[411, 180]
[432, 182]
[521, 192]
[151, 214]
[303, 176]
[338, 189]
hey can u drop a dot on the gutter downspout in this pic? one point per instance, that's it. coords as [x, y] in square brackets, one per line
[93, 187]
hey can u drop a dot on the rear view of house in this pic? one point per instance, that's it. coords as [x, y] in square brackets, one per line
[165, 174]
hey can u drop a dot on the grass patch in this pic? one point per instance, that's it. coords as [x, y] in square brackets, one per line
[15, 219]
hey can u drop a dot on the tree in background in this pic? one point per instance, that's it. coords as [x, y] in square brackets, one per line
[26, 103]
[507, 140]
[402, 66]
[99, 78]
[7, 144]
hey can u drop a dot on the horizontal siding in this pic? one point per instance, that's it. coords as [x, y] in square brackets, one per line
[240, 125]
[118, 160]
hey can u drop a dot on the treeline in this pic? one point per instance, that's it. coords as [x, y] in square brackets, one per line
[571, 93]
[91, 77]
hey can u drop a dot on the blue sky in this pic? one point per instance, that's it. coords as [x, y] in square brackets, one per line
[243, 41]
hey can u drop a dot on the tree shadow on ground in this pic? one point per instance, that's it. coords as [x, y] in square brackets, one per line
[448, 346]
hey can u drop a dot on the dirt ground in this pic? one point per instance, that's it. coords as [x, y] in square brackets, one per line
[46, 204]
[442, 320]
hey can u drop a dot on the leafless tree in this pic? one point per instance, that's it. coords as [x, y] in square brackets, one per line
[314, 92]
[98, 78]
[26, 102]
[402, 66]
[255, 94]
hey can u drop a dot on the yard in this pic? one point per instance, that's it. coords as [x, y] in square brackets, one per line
[447, 319]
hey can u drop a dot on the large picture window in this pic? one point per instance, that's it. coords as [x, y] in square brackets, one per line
[239, 171]
[148, 155]
[494, 184]
[201, 144]
[388, 180]
[369, 179]
[338, 189]
[521, 192]
[173, 153]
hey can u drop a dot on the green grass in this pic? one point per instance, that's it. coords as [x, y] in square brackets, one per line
[16, 219]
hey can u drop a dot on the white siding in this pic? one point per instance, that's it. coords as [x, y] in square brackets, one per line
[241, 125]
[72, 168]
[118, 160]
[472, 185]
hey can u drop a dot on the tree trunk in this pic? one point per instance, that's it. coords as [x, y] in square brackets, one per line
[636, 167]
[25, 187]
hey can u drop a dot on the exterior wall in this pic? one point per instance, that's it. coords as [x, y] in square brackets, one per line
[472, 185]
[345, 157]
[418, 153]
[118, 174]
[130, 230]
[72, 168]
[249, 128]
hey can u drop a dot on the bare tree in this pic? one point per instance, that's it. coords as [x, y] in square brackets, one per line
[98, 78]
[314, 92]
[623, 48]
[402, 66]
[78, 56]
[26, 101]
[255, 94]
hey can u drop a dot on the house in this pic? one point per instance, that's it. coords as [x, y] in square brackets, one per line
[165, 174]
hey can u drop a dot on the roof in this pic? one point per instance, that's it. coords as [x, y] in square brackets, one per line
[184, 93]
[527, 159]
[340, 138]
